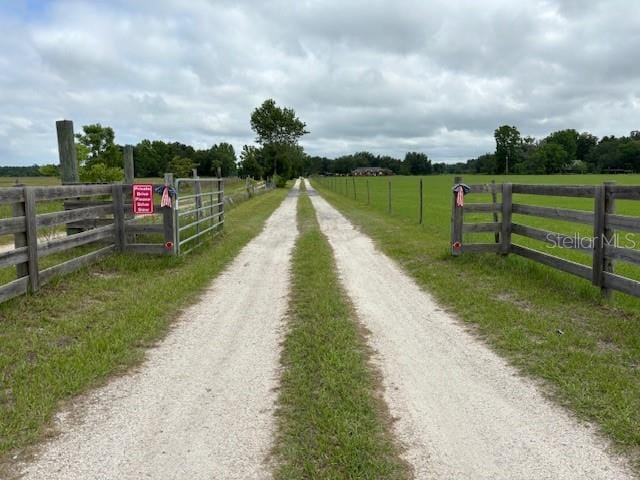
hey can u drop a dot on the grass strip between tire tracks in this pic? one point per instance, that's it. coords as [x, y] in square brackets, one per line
[332, 422]
[545, 322]
[77, 331]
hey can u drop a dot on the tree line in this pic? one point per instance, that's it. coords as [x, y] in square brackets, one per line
[278, 154]
[563, 151]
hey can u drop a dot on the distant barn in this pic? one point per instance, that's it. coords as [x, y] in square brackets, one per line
[371, 172]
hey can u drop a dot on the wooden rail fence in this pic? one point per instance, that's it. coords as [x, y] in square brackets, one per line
[603, 219]
[102, 221]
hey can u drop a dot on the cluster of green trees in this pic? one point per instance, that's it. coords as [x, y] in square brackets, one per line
[278, 154]
[563, 151]
[414, 163]
[154, 158]
[30, 171]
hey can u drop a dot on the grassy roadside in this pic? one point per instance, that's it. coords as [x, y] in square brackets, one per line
[587, 351]
[96, 322]
[331, 423]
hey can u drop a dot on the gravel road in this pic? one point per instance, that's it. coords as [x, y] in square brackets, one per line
[462, 412]
[201, 406]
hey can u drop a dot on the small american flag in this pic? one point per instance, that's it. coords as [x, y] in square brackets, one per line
[460, 197]
[166, 198]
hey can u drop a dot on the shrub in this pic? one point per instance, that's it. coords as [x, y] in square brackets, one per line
[279, 181]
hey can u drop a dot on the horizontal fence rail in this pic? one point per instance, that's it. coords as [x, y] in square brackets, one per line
[41, 249]
[603, 220]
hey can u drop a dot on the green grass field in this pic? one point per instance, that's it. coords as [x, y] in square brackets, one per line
[437, 207]
[549, 324]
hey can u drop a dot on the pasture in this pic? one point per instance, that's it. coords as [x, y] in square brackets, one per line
[437, 208]
[551, 325]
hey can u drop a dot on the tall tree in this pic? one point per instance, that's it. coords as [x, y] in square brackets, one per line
[508, 141]
[586, 142]
[567, 139]
[278, 131]
[417, 163]
[250, 162]
[275, 125]
[224, 156]
[97, 145]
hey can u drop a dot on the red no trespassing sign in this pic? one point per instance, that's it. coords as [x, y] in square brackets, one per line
[142, 199]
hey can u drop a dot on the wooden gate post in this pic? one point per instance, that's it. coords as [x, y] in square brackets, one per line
[118, 216]
[505, 231]
[128, 164]
[32, 238]
[456, 222]
[68, 159]
[494, 200]
[67, 152]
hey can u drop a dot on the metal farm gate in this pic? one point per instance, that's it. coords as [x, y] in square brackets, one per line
[199, 209]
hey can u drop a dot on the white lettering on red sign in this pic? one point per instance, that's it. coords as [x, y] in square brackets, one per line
[142, 199]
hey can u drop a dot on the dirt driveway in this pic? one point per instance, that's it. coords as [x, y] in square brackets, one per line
[201, 406]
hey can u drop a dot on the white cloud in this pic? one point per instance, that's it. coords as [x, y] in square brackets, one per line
[433, 76]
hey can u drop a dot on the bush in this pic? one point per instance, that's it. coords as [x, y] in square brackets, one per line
[279, 181]
[100, 173]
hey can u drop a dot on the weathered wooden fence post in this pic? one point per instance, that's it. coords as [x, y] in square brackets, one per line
[127, 157]
[505, 231]
[456, 222]
[609, 233]
[355, 195]
[346, 186]
[68, 159]
[118, 216]
[129, 179]
[389, 194]
[368, 193]
[421, 201]
[67, 152]
[494, 200]
[32, 238]
[603, 235]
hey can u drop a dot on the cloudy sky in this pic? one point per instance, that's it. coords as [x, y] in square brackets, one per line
[388, 77]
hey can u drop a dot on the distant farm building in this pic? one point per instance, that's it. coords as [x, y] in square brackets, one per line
[371, 172]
